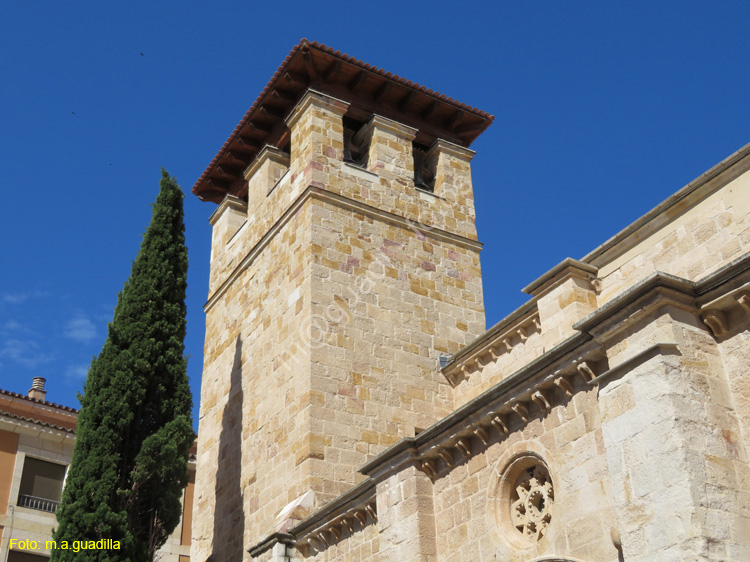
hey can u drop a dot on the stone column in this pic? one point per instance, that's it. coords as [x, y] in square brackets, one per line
[406, 517]
[226, 221]
[565, 295]
[390, 149]
[452, 166]
[317, 138]
[678, 469]
[263, 174]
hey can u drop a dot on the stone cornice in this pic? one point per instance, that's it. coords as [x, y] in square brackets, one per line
[636, 360]
[578, 355]
[563, 270]
[266, 153]
[229, 202]
[319, 99]
[507, 398]
[343, 202]
[353, 509]
[494, 342]
[698, 189]
[268, 543]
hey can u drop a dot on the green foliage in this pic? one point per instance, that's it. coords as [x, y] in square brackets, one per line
[134, 430]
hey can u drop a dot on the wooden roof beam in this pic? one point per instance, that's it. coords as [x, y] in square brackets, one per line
[247, 143]
[236, 155]
[218, 185]
[228, 171]
[404, 103]
[454, 119]
[332, 69]
[358, 81]
[271, 112]
[265, 129]
[312, 72]
[470, 128]
[382, 90]
[295, 78]
[284, 96]
[430, 109]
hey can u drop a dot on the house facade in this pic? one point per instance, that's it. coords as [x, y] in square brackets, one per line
[354, 407]
[37, 438]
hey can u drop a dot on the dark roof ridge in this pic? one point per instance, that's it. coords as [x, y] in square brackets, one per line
[37, 401]
[271, 84]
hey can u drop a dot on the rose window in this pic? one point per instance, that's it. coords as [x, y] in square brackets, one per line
[531, 502]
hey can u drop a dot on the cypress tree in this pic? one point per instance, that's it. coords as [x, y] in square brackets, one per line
[134, 430]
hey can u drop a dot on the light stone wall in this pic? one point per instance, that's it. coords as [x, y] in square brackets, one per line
[691, 239]
[329, 306]
[569, 439]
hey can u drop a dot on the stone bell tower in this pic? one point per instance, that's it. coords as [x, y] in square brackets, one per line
[344, 263]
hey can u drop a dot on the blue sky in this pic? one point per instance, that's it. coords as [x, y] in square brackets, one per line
[603, 109]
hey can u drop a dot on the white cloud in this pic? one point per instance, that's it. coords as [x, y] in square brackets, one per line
[14, 328]
[18, 298]
[24, 352]
[80, 329]
[15, 298]
[77, 372]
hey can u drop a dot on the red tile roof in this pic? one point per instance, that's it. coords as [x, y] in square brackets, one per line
[481, 119]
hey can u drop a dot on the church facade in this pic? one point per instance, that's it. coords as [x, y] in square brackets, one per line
[354, 407]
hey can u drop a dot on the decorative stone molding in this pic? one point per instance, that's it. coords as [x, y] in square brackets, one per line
[540, 399]
[522, 497]
[338, 519]
[315, 98]
[502, 341]
[722, 313]
[531, 500]
[716, 320]
[563, 383]
[561, 272]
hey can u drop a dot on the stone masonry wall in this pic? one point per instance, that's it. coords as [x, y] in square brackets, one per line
[676, 461]
[328, 308]
[690, 243]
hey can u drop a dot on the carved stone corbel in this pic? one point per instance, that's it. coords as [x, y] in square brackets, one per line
[717, 321]
[482, 434]
[522, 411]
[464, 446]
[563, 384]
[541, 400]
[447, 456]
[585, 371]
[430, 469]
[522, 334]
[744, 301]
[498, 421]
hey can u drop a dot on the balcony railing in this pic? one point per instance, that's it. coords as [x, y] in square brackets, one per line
[32, 502]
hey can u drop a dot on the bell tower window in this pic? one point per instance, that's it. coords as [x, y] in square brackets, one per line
[424, 170]
[356, 151]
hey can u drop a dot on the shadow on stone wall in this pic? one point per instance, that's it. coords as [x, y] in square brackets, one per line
[229, 516]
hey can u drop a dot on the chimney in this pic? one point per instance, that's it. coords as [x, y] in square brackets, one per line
[37, 391]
